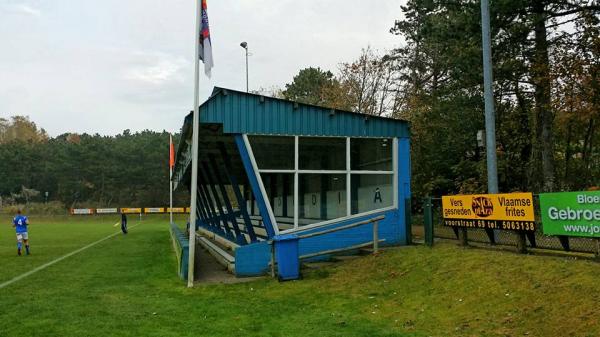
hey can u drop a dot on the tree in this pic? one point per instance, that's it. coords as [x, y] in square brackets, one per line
[440, 83]
[368, 84]
[89, 170]
[311, 86]
[20, 128]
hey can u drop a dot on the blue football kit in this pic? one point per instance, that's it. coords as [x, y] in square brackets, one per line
[20, 222]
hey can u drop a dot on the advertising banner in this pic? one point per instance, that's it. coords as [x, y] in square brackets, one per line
[154, 210]
[82, 211]
[131, 210]
[176, 209]
[571, 213]
[107, 210]
[509, 211]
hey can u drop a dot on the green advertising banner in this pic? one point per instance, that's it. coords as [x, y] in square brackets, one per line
[571, 213]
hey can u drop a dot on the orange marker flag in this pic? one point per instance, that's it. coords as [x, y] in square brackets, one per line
[171, 153]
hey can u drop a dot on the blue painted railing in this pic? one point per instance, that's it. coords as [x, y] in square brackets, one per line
[181, 246]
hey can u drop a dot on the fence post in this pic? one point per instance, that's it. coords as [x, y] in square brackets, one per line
[428, 221]
[464, 239]
[521, 243]
[375, 237]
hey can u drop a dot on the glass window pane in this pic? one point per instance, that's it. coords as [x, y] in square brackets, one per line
[280, 191]
[322, 153]
[371, 154]
[370, 192]
[322, 197]
[273, 152]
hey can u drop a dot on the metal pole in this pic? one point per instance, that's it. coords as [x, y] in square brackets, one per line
[170, 180]
[246, 69]
[490, 122]
[195, 126]
[428, 221]
[375, 237]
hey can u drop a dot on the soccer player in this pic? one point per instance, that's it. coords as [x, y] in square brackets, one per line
[124, 223]
[20, 222]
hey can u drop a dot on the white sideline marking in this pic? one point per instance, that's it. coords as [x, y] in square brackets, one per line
[48, 264]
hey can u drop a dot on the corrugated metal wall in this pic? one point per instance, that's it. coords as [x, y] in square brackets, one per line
[253, 114]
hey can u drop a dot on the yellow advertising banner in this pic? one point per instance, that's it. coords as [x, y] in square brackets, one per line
[154, 210]
[131, 210]
[511, 211]
[176, 209]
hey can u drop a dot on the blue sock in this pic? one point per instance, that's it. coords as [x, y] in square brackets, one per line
[19, 245]
[27, 249]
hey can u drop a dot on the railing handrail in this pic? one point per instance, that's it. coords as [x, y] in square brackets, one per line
[331, 230]
[375, 242]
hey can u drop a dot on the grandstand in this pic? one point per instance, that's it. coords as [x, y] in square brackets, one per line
[269, 166]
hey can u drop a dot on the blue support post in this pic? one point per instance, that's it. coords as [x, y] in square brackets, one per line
[210, 219]
[222, 216]
[239, 237]
[254, 177]
[236, 190]
[404, 193]
[201, 208]
[214, 208]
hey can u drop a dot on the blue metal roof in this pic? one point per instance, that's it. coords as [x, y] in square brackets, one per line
[242, 112]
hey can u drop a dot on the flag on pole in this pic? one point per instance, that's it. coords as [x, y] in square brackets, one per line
[205, 49]
[171, 154]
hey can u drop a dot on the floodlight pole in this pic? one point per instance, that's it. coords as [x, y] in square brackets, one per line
[490, 121]
[245, 46]
[195, 127]
[488, 94]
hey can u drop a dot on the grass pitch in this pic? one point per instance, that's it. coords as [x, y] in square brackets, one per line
[127, 286]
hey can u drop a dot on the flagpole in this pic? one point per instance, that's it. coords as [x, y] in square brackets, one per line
[171, 177]
[195, 126]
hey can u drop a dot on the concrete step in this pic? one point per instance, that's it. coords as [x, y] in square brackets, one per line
[223, 256]
[224, 243]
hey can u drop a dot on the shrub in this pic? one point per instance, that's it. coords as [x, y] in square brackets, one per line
[49, 208]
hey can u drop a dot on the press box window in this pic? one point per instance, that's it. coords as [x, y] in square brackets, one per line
[273, 152]
[371, 154]
[322, 153]
[322, 196]
[370, 192]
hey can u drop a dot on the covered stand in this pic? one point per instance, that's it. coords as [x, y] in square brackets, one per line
[269, 166]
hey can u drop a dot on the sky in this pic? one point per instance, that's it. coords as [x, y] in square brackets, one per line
[106, 66]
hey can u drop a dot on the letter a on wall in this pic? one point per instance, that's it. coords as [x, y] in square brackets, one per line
[377, 196]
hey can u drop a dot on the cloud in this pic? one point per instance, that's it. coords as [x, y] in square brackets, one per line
[21, 9]
[103, 66]
[156, 69]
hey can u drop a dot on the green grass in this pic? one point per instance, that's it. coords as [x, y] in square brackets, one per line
[127, 286]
